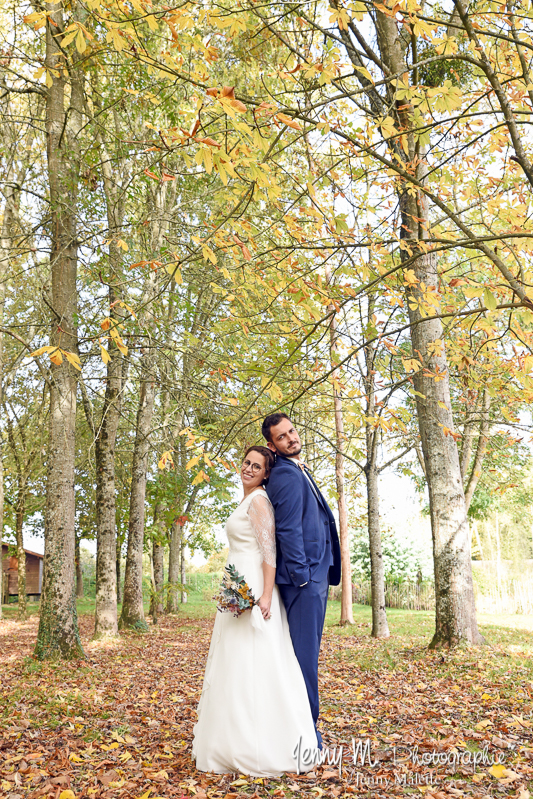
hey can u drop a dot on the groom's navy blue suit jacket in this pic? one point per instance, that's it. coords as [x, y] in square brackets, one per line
[308, 544]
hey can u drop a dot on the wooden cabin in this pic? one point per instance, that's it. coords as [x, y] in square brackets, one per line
[34, 574]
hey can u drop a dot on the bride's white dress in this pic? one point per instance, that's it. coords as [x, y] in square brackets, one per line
[254, 711]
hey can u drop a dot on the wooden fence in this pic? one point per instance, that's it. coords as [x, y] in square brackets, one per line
[405, 595]
[511, 596]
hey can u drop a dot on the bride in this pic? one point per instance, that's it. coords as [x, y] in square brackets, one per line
[254, 715]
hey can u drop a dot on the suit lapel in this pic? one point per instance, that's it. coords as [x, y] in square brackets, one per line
[318, 492]
[308, 476]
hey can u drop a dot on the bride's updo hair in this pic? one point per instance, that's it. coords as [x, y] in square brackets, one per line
[267, 454]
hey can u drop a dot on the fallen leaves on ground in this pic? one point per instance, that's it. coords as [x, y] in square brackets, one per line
[119, 725]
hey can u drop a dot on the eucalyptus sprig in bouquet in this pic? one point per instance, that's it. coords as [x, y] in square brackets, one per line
[234, 595]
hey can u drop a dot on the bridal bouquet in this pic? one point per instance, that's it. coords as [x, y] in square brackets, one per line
[234, 595]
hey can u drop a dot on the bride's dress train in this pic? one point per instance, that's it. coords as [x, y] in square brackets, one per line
[254, 711]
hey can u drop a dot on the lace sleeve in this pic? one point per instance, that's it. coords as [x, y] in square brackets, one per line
[261, 515]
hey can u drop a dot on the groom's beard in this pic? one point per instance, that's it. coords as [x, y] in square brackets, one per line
[291, 453]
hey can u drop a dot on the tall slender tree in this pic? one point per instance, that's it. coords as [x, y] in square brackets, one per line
[58, 634]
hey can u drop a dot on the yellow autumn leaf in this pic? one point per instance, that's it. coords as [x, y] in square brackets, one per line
[67, 795]
[122, 347]
[490, 300]
[166, 457]
[104, 354]
[421, 28]
[473, 291]
[340, 17]
[411, 364]
[497, 770]
[208, 254]
[73, 359]
[152, 23]
[69, 37]
[114, 36]
[286, 120]
[387, 127]
[56, 357]
[38, 18]
[175, 272]
[234, 401]
[81, 44]
[41, 350]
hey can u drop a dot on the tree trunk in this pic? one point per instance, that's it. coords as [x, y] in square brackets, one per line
[118, 557]
[158, 552]
[12, 183]
[132, 606]
[467, 439]
[183, 576]
[344, 534]
[1, 525]
[454, 593]
[454, 590]
[455, 611]
[173, 567]
[79, 572]
[8, 189]
[478, 539]
[498, 556]
[105, 616]
[58, 634]
[106, 621]
[4, 255]
[481, 449]
[156, 600]
[21, 555]
[380, 624]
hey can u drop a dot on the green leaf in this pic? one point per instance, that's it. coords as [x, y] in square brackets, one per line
[490, 300]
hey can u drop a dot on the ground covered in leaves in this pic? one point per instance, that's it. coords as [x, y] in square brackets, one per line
[119, 725]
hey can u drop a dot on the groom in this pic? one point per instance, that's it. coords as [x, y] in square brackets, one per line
[308, 552]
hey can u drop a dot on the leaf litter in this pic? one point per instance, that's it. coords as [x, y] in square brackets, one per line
[119, 725]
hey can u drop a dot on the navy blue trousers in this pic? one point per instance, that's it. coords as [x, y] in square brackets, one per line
[306, 611]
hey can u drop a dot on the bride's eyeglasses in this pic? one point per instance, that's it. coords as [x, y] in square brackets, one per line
[255, 467]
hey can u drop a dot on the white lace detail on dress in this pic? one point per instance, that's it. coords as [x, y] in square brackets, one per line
[261, 515]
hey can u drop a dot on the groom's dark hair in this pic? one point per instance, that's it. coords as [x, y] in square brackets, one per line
[272, 421]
